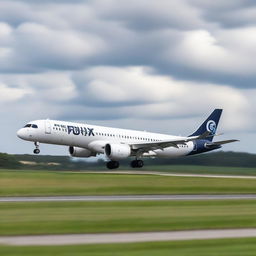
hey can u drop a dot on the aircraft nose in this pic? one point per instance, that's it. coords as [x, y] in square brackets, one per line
[21, 133]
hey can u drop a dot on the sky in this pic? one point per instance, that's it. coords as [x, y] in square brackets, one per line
[160, 66]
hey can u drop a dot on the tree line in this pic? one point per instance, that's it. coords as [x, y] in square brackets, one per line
[220, 158]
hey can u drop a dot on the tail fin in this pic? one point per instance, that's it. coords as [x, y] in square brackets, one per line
[209, 125]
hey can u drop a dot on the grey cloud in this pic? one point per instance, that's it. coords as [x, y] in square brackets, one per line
[150, 15]
[62, 36]
[60, 59]
[222, 5]
[228, 14]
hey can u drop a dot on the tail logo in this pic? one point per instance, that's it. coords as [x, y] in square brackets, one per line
[211, 126]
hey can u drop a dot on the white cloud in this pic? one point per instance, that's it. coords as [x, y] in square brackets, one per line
[40, 43]
[49, 86]
[8, 94]
[128, 84]
[5, 30]
[200, 49]
[140, 93]
[225, 51]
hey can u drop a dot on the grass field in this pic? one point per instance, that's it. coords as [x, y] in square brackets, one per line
[19, 218]
[224, 247]
[96, 217]
[32, 183]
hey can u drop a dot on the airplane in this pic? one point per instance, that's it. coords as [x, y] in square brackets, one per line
[86, 140]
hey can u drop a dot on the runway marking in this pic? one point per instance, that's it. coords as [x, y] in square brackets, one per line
[71, 239]
[127, 198]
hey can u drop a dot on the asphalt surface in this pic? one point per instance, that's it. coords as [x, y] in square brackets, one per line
[170, 174]
[70, 239]
[127, 198]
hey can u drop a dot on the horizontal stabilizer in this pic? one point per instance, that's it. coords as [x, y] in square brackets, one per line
[224, 142]
[217, 144]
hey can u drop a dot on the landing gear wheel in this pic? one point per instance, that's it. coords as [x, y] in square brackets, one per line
[112, 165]
[133, 164]
[137, 163]
[36, 151]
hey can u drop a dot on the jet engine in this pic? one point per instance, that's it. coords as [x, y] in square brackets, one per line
[117, 151]
[80, 152]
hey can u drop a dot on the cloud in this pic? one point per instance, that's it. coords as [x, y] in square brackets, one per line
[137, 63]
[48, 87]
[33, 46]
[173, 37]
[9, 94]
[150, 15]
[127, 85]
[227, 14]
[200, 49]
[107, 92]
[139, 92]
[224, 52]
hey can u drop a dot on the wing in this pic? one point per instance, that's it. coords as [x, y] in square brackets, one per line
[147, 146]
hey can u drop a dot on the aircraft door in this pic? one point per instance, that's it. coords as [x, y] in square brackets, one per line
[47, 127]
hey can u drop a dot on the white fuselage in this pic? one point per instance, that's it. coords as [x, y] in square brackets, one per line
[95, 138]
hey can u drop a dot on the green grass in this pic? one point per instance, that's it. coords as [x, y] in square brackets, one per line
[216, 247]
[96, 217]
[42, 183]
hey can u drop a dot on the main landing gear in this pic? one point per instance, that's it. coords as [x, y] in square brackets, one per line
[137, 163]
[112, 165]
[36, 150]
[134, 164]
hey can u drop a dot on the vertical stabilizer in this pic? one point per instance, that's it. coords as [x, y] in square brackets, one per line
[209, 125]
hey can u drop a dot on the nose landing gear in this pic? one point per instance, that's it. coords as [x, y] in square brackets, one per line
[36, 150]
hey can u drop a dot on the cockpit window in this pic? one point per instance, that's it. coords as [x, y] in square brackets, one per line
[31, 125]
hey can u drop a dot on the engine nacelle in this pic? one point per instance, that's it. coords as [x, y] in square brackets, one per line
[81, 152]
[117, 151]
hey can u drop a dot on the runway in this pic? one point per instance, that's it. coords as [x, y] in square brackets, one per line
[171, 174]
[127, 198]
[71, 239]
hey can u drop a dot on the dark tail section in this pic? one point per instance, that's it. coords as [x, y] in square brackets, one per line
[209, 125]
